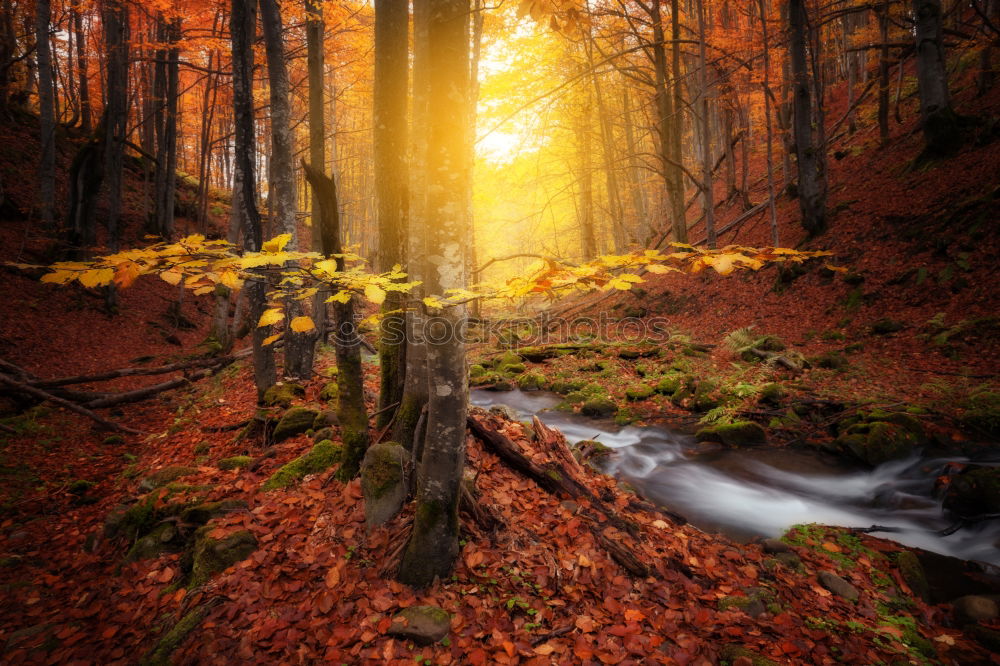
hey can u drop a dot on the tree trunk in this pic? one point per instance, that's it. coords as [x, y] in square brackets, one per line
[391, 73]
[116, 26]
[812, 195]
[706, 135]
[315, 39]
[942, 133]
[46, 113]
[433, 544]
[243, 29]
[351, 410]
[299, 347]
[772, 204]
[166, 148]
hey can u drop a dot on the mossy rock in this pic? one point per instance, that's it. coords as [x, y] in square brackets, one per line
[492, 381]
[772, 394]
[886, 326]
[384, 481]
[669, 384]
[982, 414]
[878, 442]
[212, 556]
[705, 397]
[132, 522]
[913, 573]
[974, 492]
[566, 386]
[161, 654]
[599, 407]
[531, 381]
[629, 354]
[294, 422]
[323, 455]
[831, 360]
[163, 539]
[325, 419]
[421, 624]
[513, 368]
[591, 452]
[199, 514]
[505, 359]
[639, 392]
[329, 392]
[283, 394]
[476, 371]
[113, 439]
[234, 462]
[164, 476]
[202, 448]
[731, 653]
[597, 366]
[739, 433]
[80, 487]
[322, 433]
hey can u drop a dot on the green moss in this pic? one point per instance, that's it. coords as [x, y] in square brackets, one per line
[599, 407]
[114, 439]
[383, 469]
[513, 368]
[730, 653]
[295, 421]
[329, 392]
[160, 655]
[885, 326]
[639, 392]
[283, 394]
[772, 394]
[323, 455]
[913, 573]
[235, 462]
[476, 371]
[163, 539]
[976, 491]
[80, 486]
[531, 381]
[564, 387]
[740, 433]
[202, 448]
[982, 414]
[831, 360]
[668, 384]
[164, 476]
[212, 556]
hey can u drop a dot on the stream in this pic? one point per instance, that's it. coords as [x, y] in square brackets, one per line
[745, 493]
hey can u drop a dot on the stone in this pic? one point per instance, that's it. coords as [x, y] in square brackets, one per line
[913, 573]
[235, 462]
[200, 514]
[599, 408]
[325, 419]
[562, 386]
[974, 492]
[329, 392]
[212, 556]
[774, 546]
[739, 433]
[737, 654]
[321, 434]
[323, 455]
[503, 411]
[164, 476]
[838, 585]
[531, 381]
[790, 561]
[283, 394]
[886, 326]
[421, 624]
[772, 394]
[384, 481]
[163, 539]
[973, 608]
[639, 392]
[294, 422]
[668, 385]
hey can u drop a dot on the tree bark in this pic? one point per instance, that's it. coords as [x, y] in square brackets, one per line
[433, 544]
[166, 141]
[116, 28]
[390, 141]
[942, 133]
[812, 187]
[315, 39]
[706, 134]
[243, 29]
[46, 113]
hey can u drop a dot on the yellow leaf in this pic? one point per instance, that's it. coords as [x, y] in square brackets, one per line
[171, 277]
[839, 269]
[270, 340]
[97, 277]
[230, 279]
[271, 316]
[340, 297]
[947, 639]
[201, 291]
[302, 324]
[375, 294]
[126, 273]
[660, 269]
[276, 244]
[723, 264]
[432, 302]
[60, 277]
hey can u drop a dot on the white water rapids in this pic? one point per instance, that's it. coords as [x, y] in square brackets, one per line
[762, 492]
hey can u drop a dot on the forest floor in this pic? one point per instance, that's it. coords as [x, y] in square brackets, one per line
[543, 586]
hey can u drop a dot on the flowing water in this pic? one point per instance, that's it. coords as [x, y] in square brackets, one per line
[762, 492]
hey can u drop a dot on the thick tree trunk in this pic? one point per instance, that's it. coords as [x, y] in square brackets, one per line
[299, 347]
[166, 148]
[812, 189]
[315, 38]
[942, 132]
[433, 544]
[351, 410]
[243, 29]
[585, 214]
[706, 135]
[391, 70]
[46, 113]
[668, 118]
[883, 73]
[772, 204]
[116, 27]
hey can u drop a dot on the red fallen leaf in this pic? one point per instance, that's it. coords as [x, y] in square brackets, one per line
[166, 575]
[509, 648]
[831, 547]
[477, 657]
[633, 615]
[584, 623]
[332, 578]
[581, 650]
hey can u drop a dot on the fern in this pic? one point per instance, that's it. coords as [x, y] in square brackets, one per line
[740, 339]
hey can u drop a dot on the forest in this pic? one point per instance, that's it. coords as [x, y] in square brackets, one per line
[510, 332]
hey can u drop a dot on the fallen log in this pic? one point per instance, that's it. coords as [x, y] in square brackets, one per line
[133, 372]
[72, 406]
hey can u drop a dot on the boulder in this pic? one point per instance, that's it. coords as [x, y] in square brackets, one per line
[325, 419]
[329, 392]
[504, 411]
[974, 492]
[774, 546]
[838, 585]
[772, 394]
[421, 624]
[212, 556]
[913, 573]
[668, 384]
[973, 608]
[886, 326]
[739, 433]
[323, 455]
[384, 481]
[531, 381]
[294, 422]
[639, 392]
[163, 539]
[564, 386]
[982, 414]
[322, 433]
[599, 407]
[199, 514]
[235, 462]
[164, 476]
[878, 436]
[283, 394]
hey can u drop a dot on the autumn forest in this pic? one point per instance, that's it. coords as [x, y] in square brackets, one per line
[525, 331]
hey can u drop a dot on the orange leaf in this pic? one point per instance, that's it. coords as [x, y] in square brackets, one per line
[333, 577]
[509, 648]
[831, 547]
[632, 615]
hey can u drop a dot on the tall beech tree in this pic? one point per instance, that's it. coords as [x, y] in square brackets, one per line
[433, 544]
[808, 153]
[940, 123]
[46, 114]
[390, 144]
